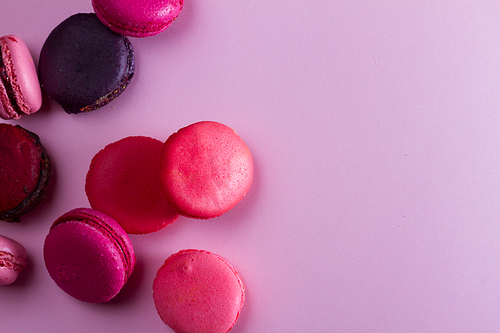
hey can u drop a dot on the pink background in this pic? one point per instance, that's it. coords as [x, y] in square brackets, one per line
[375, 131]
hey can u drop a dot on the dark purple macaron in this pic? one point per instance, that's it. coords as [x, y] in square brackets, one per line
[84, 65]
[25, 171]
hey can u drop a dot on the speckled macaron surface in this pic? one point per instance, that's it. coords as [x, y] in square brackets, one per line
[206, 169]
[196, 291]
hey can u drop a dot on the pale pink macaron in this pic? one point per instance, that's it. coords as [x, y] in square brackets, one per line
[196, 291]
[137, 18]
[206, 169]
[88, 255]
[20, 91]
[12, 260]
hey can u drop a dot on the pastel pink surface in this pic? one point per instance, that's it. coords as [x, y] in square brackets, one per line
[196, 291]
[137, 18]
[12, 260]
[123, 181]
[206, 169]
[374, 128]
[88, 255]
[23, 78]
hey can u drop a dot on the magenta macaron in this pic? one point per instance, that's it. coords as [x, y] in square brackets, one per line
[88, 255]
[12, 260]
[137, 18]
[20, 91]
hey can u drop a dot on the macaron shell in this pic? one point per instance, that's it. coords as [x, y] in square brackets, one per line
[137, 18]
[123, 182]
[13, 257]
[197, 291]
[84, 65]
[206, 169]
[24, 76]
[84, 260]
[26, 171]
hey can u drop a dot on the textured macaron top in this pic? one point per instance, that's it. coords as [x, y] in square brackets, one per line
[84, 65]
[26, 171]
[196, 291]
[206, 169]
[137, 18]
[20, 91]
[88, 255]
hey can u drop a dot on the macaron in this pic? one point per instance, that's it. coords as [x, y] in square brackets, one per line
[123, 182]
[206, 169]
[20, 92]
[88, 255]
[25, 172]
[12, 260]
[84, 65]
[137, 18]
[196, 291]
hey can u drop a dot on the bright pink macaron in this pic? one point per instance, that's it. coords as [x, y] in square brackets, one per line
[12, 260]
[137, 18]
[196, 291]
[20, 91]
[123, 182]
[88, 255]
[206, 169]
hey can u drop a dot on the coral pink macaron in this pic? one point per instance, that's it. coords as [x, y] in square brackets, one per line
[137, 18]
[123, 182]
[12, 260]
[20, 91]
[88, 255]
[206, 169]
[196, 291]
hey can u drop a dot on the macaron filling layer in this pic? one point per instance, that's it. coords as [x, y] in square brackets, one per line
[8, 97]
[8, 260]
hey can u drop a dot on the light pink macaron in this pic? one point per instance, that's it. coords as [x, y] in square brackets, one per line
[20, 91]
[196, 291]
[137, 18]
[12, 260]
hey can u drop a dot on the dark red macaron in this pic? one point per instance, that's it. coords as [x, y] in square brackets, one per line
[25, 171]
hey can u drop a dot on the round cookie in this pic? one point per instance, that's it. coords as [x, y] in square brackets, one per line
[26, 171]
[206, 169]
[20, 91]
[196, 291]
[137, 18]
[123, 182]
[84, 65]
[12, 260]
[88, 255]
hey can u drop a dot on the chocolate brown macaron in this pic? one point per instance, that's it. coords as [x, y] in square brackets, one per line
[25, 170]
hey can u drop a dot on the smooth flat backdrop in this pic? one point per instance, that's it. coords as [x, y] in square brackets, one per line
[375, 132]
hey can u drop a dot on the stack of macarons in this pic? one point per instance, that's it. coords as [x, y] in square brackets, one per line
[137, 185]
